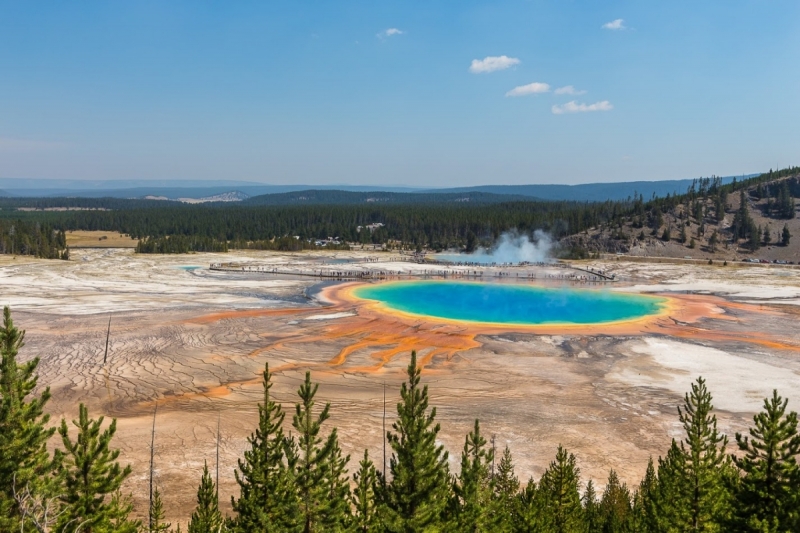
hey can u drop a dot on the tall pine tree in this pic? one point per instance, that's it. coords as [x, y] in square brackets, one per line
[319, 474]
[337, 485]
[92, 478]
[591, 509]
[559, 486]
[472, 489]
[670, 504]
[364, 497]
[25, 464]
[505, 486]
[643, 519]
[418, 492]
[705, 461]
[267, 500]
[615, 506]
[533, 515]
[206, 517]
[768, 498]
[157, 523]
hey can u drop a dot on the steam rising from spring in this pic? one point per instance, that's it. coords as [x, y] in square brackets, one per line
[511, 247]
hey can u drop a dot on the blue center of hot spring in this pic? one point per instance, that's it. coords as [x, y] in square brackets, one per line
[509, 304]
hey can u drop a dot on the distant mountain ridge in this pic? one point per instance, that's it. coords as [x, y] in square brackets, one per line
[209, 191]
[233, 196]
[589, 192]
[171, 189]
[338, 197]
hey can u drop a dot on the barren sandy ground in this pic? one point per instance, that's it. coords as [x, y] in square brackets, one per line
[193, 341]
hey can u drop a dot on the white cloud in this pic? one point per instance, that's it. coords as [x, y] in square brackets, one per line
[615, 25]
[390, 32]
[569, 89]
[492, 63]
[575, 107]
[531, 88]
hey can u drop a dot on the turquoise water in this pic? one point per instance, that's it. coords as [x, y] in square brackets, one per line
[189, 268]
[509, 304]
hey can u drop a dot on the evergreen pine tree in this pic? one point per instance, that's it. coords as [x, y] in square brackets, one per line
[25, 464]
[559, 487]
[767, 238]
[418, 493]
[769, 496]
[705, 461]
[785, 235]
[753, 236]
[615, 506]
[472, 490]
[591, 509]
[157, 514]
[532, 515]
[741, 220]
[505, 487]
[642, 518]
[337, 486]
[91, 473]
[363, 498]
[670, 504]
[712, 242]
[786, 206]
[719, 208]
[319, 470]
[120, 508]
[206, 517]
[267, 500]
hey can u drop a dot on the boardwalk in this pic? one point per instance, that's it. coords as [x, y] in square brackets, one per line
[360, 270]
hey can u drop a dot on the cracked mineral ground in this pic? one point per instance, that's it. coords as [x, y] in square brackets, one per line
[193, 341]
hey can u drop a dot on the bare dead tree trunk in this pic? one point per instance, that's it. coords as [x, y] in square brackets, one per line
[218, 417]
[39, 511]
[152, 467]
[384, 432]
[108, 336]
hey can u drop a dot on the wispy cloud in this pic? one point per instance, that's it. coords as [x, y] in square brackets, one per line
[617, 24]
[569, 89]
[575, 107]
[492, 63]
[389, 32]
[531, 88]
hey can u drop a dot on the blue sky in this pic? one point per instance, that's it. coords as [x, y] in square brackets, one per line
[398, 93]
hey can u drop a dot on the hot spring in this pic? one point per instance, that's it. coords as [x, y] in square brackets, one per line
[509, 303]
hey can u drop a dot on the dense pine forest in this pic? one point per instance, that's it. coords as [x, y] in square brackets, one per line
[430, 222]
[32, 237]
[302, 482]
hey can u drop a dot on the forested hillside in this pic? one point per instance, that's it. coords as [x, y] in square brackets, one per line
[32, 237]
[708, 215]
[758, 216]
[293, 476]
